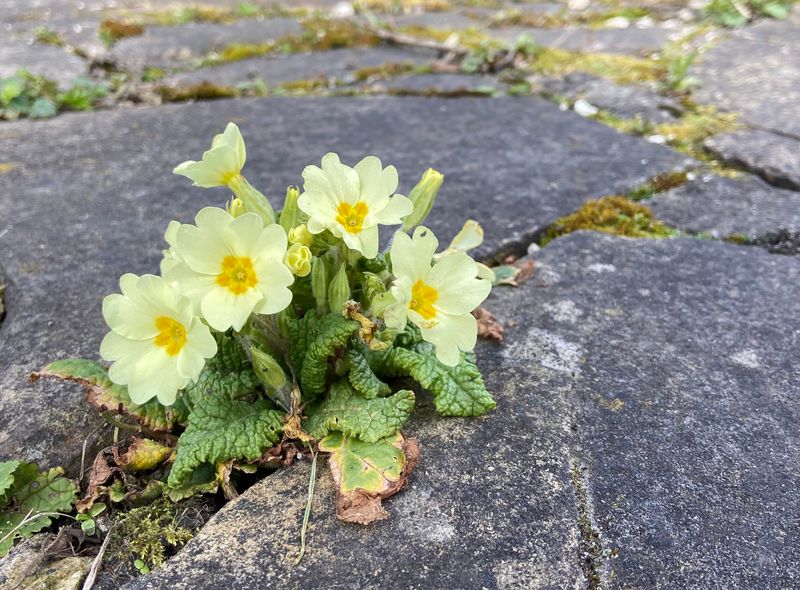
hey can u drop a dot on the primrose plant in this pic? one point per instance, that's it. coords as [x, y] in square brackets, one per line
[267, 336]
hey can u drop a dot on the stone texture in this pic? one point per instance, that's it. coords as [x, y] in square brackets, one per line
[630, 41]
[338, 65]
[52, 62]
[756, 73]
[772, 156]
[626, 101]
[98, 193]
[644, 438]
[177, 46]
[726, 207]
[440, 84]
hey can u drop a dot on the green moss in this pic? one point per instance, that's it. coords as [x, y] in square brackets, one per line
[46, 36]
[149, 534]
[319, 34]
[622, 69]
[689, 132]
[400, 6]
[205, 13]
[385, 71]
[202, 91]
[112, 30]
[633, 126]
[658, 184]
[516, 18]
[615, 215]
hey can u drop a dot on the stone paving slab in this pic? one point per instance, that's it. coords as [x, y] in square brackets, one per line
[337, 64]
[724, 207]
[175, 46]
[99, 179]
[774, 157]
[756, 73]
[644, 438]
[441, 84]
[54, 63]
[629, 41]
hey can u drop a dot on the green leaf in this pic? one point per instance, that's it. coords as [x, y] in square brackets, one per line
[143, 454]
[362, 377]
[11, 88]
[106, 395]
[220, 429]
[7, 469]
[457, 391]
[314, 340]
[359, 465]
[202, 480]
[43, 108]
[32, 492]
[775, 10]
[229, 373]
[368, 419]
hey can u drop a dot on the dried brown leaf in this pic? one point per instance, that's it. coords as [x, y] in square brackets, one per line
[488, 326]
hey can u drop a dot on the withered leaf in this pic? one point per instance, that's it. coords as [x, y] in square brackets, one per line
[488, 326]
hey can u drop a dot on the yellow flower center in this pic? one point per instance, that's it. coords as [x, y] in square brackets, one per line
[171, 334]
[352, 216]
[422, 299]
[237, 274]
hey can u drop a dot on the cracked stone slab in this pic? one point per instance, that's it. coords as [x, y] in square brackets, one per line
[724, 207]
[176, 46]
[756, 73]
[54, 63]
[337, 64]
[626, 101]
[688, 404]
[514, 164]
[772, 156]
[662, 370]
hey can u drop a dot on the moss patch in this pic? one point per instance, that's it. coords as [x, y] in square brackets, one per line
[517, 18]
[622, 69]
[202, 91]
[112, 30]
[616, 215]
[689, 132]
[400, 6]
[658, 184]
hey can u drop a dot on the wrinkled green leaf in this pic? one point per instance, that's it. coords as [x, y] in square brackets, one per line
[220, 429]
[362, 376]
[314, 340]
[368, 419]
[202, 480]
[371, 467]
[457, 391]
[229, 373]
[7, 469]
[106, 395]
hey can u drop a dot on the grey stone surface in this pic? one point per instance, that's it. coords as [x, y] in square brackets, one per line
[756, 73]
[176, 46]
[774, 157]
[52, 62]
[338, 64]
[629, 41]
[440, 84]
[627, 101]
[98, 193]
[644, 438]
[725, 207]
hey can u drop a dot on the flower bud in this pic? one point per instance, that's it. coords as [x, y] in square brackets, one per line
[300, 235]
[267, 368]
[319, 283]
[236, 207]
[423, 196]
[253, 200]
[289, 212]
[339, 289]
[298, 259]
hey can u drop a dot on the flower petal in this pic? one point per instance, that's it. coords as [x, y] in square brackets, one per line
[459, 291]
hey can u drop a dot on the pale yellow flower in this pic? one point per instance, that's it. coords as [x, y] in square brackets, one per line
[219, 165]
[439, 299]
[470, 236]
[352, 202]
[232, 267]
[156, 344]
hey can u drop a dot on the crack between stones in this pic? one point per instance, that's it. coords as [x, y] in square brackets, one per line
[590, 547]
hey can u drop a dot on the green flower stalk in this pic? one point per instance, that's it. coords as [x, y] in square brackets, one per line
[423, 196]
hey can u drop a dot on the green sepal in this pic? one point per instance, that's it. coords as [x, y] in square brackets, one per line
[368, 419]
